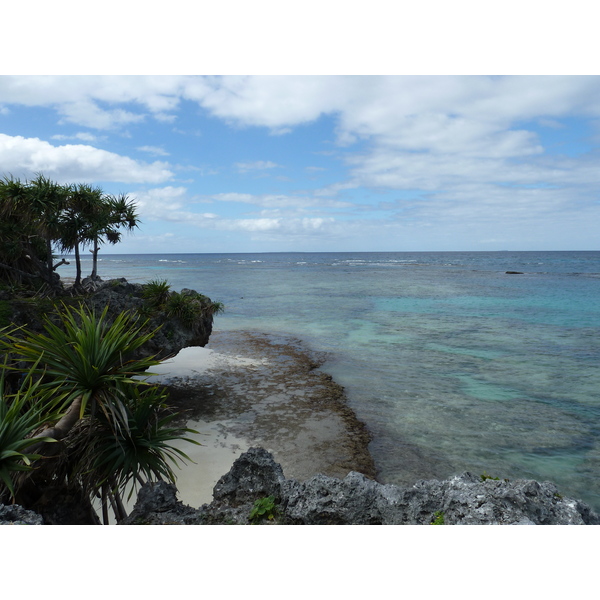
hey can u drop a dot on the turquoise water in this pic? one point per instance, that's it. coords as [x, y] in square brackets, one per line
[453, 364]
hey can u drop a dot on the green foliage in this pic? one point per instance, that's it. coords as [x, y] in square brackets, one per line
[86, 356]
[83, 387]
[264, 508]
[189, 307]
[40, 216]
[485, 477]
[142, 451]
[438, 518]
[21, 414]
[156, 293]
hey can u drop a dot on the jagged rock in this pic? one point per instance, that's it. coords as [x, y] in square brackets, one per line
[461, 500]
[354, 500]
[253, 475]
[157, 504]
[17, 515]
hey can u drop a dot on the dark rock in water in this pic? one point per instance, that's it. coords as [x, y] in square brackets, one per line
[17, 515]
[514, 273]
[461, 500]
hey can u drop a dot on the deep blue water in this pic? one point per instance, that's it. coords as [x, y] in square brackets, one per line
[453, 364]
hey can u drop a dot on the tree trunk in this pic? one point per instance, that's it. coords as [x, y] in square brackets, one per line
[77, 265]
[94, 274]
[60, 429]
[49, 258]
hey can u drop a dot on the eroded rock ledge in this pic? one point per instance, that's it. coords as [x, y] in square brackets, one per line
[120, 296]
[321, 500]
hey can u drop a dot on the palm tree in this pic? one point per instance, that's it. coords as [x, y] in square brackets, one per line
[23, 251]
[77, 221]
[47, 200]
[113, 214]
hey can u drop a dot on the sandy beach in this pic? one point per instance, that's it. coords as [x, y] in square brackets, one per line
[249, 389]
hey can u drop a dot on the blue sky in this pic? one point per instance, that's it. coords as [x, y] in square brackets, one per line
[321, 163]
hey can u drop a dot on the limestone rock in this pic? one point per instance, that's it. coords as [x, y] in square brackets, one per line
[358, 500]
[353, 500]
[17, 515]
[157, 504]
[120, 295]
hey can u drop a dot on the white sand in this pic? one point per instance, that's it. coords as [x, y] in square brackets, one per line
[196, 360]
[219, 450]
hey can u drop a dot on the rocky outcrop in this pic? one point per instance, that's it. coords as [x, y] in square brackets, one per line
[354, 500]
[17, 515]
[462, 500]
[120, 295]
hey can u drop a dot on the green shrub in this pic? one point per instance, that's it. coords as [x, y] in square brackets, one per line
[156, 292]
[21, 414]
[264, 508]
[438, 518]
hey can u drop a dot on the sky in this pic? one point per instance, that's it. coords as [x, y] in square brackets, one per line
[311, 161]
[321, 163]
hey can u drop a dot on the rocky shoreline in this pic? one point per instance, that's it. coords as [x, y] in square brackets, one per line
[256, 480]
[269, 391]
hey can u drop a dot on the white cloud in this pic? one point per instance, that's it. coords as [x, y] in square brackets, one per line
[27, 156]
[157, 203]
[89, 114]
[82, 136]
[167, 204]
[281, 201]
[82, 99]
[155, 150]
[466, 148]
[274, 102]
[277, 225]
[171, 204]
[257, 165]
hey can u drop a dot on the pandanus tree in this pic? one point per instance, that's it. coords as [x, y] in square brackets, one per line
[47, 199]
[92, 217]
[113, 214]
[40, 215]
[78, 220]
[94, 420]
[29, 227]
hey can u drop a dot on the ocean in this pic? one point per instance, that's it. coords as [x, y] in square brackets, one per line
[453, 364]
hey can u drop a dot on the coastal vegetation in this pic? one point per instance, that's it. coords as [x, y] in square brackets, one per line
[84, 419]
[40, 217]
[263, 508]
[190, 307]
[80, 424]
